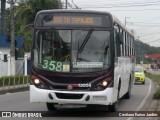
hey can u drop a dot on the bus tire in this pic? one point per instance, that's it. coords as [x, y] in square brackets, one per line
[128, 94]
[114, 106]
[51, 107]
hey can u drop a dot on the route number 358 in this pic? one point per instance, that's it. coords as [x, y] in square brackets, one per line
[52, 65]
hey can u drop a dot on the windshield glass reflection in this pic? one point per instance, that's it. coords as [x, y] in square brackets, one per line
[72, 50]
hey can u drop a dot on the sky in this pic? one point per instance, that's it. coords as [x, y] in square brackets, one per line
[143, 16]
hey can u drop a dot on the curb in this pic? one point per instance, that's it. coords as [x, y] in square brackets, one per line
[158, 107]
[158, 101]
[155, 104]
[25, 88]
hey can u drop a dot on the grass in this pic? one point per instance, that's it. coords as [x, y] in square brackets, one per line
[157, 79]
[13, 80]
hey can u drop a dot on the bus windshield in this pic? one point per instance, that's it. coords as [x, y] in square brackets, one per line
[72, 50]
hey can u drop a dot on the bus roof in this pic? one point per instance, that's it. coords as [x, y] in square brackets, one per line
[73, 11]
[116, 20]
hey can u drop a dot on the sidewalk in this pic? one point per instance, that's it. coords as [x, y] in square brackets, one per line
[155, 105]
[12, 89]
[157, 73]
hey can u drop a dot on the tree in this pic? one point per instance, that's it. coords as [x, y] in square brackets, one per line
[142, 48]
[3, 21]
[26, 12]
[29, 8]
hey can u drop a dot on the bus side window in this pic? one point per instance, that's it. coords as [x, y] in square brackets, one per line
[121, 43]
[117, 42]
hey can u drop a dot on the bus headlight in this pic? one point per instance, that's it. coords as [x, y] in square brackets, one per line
[38, 83]
[103, 84]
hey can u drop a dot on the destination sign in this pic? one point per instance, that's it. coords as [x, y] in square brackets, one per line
[72, 19]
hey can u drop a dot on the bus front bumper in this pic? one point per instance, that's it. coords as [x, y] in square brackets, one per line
[71, 97]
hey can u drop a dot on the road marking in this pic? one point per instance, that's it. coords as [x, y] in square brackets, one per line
[144, 99]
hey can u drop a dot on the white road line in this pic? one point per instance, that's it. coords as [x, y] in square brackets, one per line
[144, 99]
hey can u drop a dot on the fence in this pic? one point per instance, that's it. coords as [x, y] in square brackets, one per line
[21, 66]
[18, 80]
[10, 83]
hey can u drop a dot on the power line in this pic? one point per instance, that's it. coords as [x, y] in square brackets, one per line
[141, 6]
[135, 10]
[149, 19]
[143, 23]
[112, 6]
[126, 3]
[155, 31]
[153, 41]
[68, 5]
[149, 34]
[75, 5]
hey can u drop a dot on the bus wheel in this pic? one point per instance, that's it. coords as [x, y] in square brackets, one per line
[128, 94]
[51, 107]
[113, 107]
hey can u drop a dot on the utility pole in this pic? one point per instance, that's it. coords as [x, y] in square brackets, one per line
[66, 3]
[12, 38]
[3, 21]
[140, 54]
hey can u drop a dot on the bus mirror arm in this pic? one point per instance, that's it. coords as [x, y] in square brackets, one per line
[29, 26]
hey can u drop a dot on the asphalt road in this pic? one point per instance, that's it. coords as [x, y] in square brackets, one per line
[140, 100]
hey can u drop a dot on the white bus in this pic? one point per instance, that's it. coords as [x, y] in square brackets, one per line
[81, 58]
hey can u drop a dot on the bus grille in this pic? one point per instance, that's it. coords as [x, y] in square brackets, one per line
[71, 80]
[64, 88]
[69, 96]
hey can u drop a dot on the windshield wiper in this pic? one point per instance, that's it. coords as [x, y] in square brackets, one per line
[85, 40]
[80, 49]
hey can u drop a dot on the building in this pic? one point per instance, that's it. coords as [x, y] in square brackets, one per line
[5, 51]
